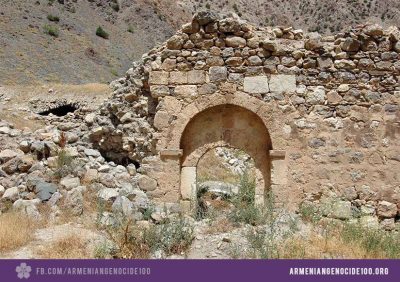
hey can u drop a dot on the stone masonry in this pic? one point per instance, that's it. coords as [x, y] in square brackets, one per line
[319, 115]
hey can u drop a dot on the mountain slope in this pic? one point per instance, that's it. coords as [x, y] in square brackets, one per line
[29, 55]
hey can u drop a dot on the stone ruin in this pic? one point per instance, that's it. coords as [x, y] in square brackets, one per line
[318, 114]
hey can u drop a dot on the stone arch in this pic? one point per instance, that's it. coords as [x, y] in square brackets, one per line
[202, 103]
[225, 125]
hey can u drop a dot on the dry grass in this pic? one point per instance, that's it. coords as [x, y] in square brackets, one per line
[317, 247]
[211, 167]
[16, 231]
[68, 247]
[220, 225]
[333, 245]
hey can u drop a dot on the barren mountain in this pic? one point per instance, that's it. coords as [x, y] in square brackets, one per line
[55, 40]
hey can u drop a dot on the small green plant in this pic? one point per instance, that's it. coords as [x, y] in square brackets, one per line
[114, 72]
[53, 18]
[51, 30]
[147, 213]
[263, 244]
[235, 8]
[102, 33]
[245, 209]
[173, 237]
[130, 29]
[65, 164]
[115, 6]
[103, 250]
[132, 241]
[64, 159]
[309, 212]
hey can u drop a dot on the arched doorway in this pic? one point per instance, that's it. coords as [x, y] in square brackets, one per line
[225, 125]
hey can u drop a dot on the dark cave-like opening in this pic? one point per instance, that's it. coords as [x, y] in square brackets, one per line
[60, 110]
[119, 159]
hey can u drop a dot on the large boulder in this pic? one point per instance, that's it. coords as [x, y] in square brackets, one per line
[146, 183]
[8, 154]
[386, 209]
[11, 194]
[45, 190]
[18, 164]
[351, 45]
[106, 194]
[219, 188]
[341, 210]
[28, 207]
[205, 17]
[70, 182]
[123, 206]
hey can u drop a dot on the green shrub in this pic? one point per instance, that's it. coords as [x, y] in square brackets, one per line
[115, 6]
[309, 212]
[172, 237]
[262, 245]
[245, 210]
[53, 18]
[132, 241]
[114, 72]
[65, 164]
[130, 29]
[102, 33]
[51, 30]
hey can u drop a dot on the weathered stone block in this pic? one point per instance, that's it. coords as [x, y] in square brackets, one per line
[278, 172]
[161, 119]
[218, 73]
[235, 41]
[282, 83]
[208, 88]
[158, 77]
[256, 84]
[369, 221]
[186, 91]
[317, 96]
[159, 91]
[178, 77]
[196, 77]
[188, 183]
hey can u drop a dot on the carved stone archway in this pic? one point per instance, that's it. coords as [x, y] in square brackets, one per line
[234, 120]
[225, 125]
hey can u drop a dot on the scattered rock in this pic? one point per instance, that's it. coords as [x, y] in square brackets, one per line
[146, 183]
[386, 209]
[74, 201]
[108, 194]
[70, 182]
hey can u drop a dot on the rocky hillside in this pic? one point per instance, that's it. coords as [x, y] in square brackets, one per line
[56, 41]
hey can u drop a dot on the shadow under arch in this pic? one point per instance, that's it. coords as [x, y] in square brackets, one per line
[225, 125]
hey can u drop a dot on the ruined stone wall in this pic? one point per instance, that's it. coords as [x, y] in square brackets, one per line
[330, 105]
